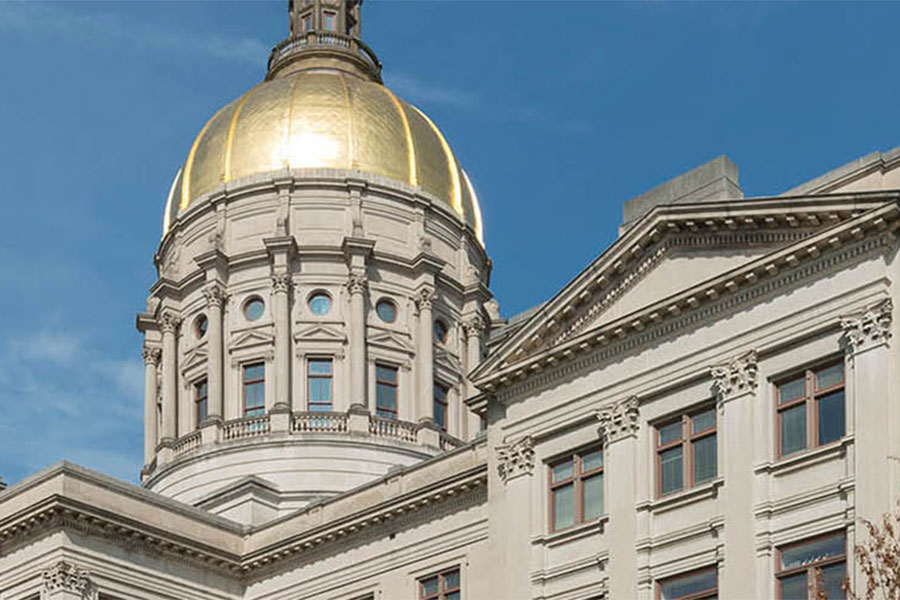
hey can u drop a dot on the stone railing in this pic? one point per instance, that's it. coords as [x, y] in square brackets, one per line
[319, 422]
[186, 443]
[391, 428]
[448, 442]
[246, 427]
[328, 39]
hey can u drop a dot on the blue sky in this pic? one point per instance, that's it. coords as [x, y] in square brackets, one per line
[559, 111]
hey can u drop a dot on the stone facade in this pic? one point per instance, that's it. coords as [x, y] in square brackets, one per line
[714, 388]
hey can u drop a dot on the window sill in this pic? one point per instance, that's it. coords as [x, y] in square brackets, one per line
[807, 458]
[710, 489]
[570, 534]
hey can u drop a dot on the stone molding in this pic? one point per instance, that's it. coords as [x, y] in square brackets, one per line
[870, 326]
[516, 458]
[281, 283]
[169, 322]
[215, 294]
[356, 283]
[620, 420]
[424, 298]
[736, 376]
[66, 577]
[152, 356]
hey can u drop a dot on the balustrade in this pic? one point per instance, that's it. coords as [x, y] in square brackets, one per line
[186, 443]
[246, 427]
[319, 422]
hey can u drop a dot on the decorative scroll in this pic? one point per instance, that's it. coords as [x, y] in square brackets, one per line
[620, 420]
[516, 458]
[66, 577]
[869, 326]
[736, 376]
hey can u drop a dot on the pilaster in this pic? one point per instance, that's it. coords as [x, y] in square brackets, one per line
[281, 250]
[425, 351]
[357, 251]
[515, 463]
[169, 322]
[215, 300]
[152, 357]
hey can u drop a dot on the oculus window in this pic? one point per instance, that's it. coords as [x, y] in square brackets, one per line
[386, 311]
[254, 308]
[319, 304]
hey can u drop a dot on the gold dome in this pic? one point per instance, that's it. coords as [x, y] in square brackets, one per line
[313, 119]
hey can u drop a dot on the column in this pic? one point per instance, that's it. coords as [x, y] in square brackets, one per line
[425, 351]
[215, 298]
[735, 385]
[281, 284]
[65, 581]
[619, 424]
[151, 433]
[169, 323]
[356, 286]
[470, 423]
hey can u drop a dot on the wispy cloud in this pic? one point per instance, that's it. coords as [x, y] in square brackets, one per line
[422, 92]
[62, 22]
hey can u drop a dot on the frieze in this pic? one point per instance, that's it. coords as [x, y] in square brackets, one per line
[870, 326]
[620, 420]
[516, 458]
[736, 376]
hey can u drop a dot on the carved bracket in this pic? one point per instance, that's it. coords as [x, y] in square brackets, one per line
[870, 326]
[620, 420]
[66, 577]
[516, 458]
[736, 376]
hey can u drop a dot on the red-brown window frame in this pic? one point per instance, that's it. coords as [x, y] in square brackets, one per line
[810, 397]
[247, 382]
[310, 376]
[394, 384]
[697, 596]
[577, 479]
[810, 568]
[442, 580]
[687, 444]
[202, 383]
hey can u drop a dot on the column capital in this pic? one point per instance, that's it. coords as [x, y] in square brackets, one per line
[281, 283]
[515, 458]
[424, 298]
[66, 577]
[169, 322]
[215, 294]
[869, 326]
[620, 420]
[356, 283]
[151, 355]
[736, 376]
[474, 326]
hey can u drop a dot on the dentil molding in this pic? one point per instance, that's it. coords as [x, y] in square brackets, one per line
[515, 458]
[66, 577]
[736, 376]
[870, 326]
[620, 420]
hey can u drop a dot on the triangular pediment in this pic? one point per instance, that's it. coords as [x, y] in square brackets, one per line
[442, 358]
[249, 339]
[393, 340]
[674, 248]
[320, 332]
[193, 357]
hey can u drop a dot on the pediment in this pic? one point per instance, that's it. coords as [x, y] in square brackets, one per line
[250, 339]
[320, 332]
[391, 339]
[193, 357]
[672, 249]
[443, 358]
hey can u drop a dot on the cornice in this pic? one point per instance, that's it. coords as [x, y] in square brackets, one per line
[696, 221]
[773, 271]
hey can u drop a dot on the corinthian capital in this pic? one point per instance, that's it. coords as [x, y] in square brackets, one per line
[169, 322]
[735, 376]
[66, 577]
[281, 282]
[424, 298]
[474, 326]
[870, 326]
[356, 283]
[619, 420]
[515, 458]
[214, 294]
[151, 355]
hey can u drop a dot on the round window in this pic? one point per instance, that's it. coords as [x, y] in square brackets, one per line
[200, 326]
[387, 311]
[320, 304]
[440, 331]
[254, 308]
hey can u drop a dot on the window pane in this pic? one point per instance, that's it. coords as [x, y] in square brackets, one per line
[794, 587]
[451, 580]
[254, 371]
[670, 433]
[320, 367]
[202, 411]
[703, 421]
[564, 506]
[705, 467]
[832, 579]
[791, 390]
[805, 554]
[386, 310]
[793, 429]
[831, 417]
[430, 586]
[592, 460]
[440, 414]
[320, 304]
[671, 474]
[829, 376]
[563, 471]
[453, 596]
[688, 585]
[320, 390]
[593, 497]
[386, 374]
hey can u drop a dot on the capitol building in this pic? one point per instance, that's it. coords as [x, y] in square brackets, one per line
[334, 408]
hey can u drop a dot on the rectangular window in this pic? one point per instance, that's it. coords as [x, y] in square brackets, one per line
[686, 451]
[254, 382]
[307, 23]
[201, 400]
[694, 586]
[330, 21]
[810, 409]
[576, 489]
[797, 565]
[442, 586]
[319, 379]
[386, 391]
[440, 405]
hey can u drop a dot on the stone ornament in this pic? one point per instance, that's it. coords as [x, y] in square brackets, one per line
[356, 283]
[169, 322]
[66, 577]
[869, 326]
[424, 298]
[620, 420]
[736, 376]
[152, 356]
[474, 326]
[516, 458]
[281, 283]
[214, 294]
